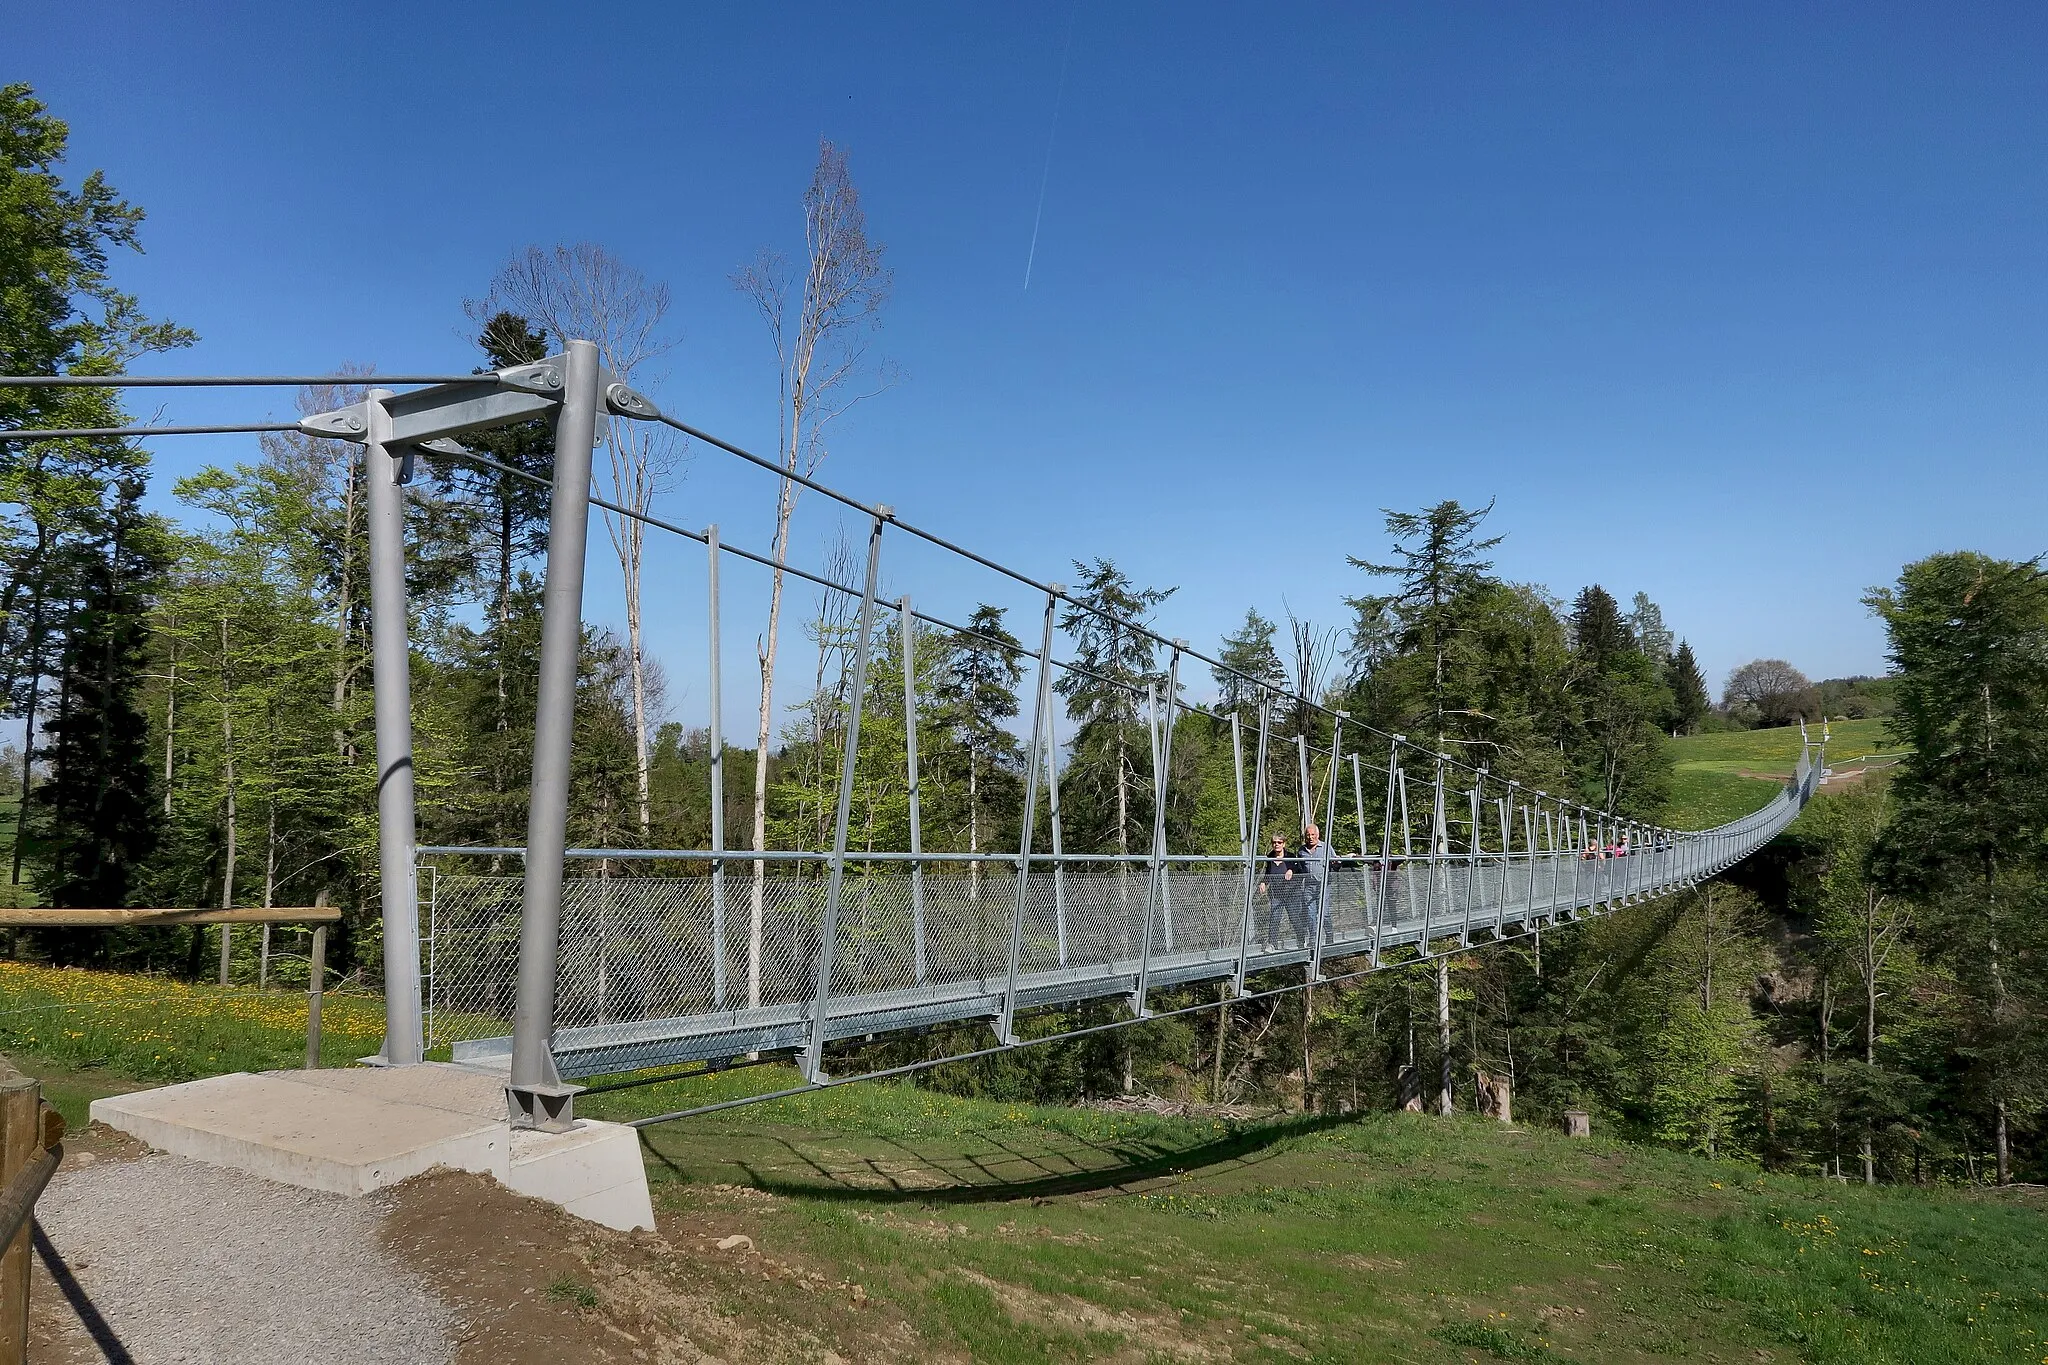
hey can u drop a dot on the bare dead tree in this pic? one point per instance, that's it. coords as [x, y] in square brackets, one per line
[1312, 661]
[821, 327]
[330, 473]
[583, 291]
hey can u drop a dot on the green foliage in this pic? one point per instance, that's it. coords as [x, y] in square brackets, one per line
[1108, 782]
[61, 314]
[1969, 644]
[1249, 660]
[100, 807]
[1438, 560]
[59, 308]
[1701, 1036]
[1621, 766]
[1690, 700]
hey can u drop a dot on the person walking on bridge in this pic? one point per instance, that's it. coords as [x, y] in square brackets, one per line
[1314, 865]
[1276, 879]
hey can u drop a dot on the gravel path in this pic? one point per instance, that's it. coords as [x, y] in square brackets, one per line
[190, 1263]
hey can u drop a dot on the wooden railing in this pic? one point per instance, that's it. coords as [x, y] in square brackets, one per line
[319, 914]
[31, 1145]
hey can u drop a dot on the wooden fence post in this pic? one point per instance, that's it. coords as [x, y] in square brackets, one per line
[21, 1138]
[316, 985]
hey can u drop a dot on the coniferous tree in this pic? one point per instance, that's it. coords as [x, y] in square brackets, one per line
[1689, 698]
[511, 512]
[1438, 558]
[1969, 640]
[1599, 634]
[1622, 762]
[1646, 624]
[1107, 703]
[977, 697]
[100, 813]
[60, 313]
[1249, 658]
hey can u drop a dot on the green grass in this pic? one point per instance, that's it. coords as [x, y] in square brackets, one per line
[158, 1030]
[1721, 777]
[1702, 798]
[1776, 750]
[1016, 1233]
[568, 1289]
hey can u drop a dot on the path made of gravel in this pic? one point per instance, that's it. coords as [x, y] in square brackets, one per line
[189, 1263]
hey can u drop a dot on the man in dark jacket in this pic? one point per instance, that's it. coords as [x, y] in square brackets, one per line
[1313, 864]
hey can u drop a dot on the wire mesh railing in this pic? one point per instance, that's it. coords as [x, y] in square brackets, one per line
[661, 962]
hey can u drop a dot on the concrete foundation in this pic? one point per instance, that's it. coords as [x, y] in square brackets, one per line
[353, 1131]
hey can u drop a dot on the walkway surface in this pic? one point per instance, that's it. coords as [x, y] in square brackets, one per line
[174, 1261]
[153, 1258]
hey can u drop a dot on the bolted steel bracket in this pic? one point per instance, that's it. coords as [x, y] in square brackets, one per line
[351, 423]
[625, 402]
[543, 377]
[543, 1108]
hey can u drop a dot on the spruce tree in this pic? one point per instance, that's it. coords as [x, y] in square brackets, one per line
[1599, 634]
[1249, 658]
[1689, 697]
[1622, 762]
[1438, 557]
[100, 812]
[1969, 641]
[1107, 701]
[977, 698]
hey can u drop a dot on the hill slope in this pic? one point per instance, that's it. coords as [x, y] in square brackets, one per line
[1014, 1233]
[1721, 777]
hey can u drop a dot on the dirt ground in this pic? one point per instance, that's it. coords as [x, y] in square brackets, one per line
[534, 1286]
[529, 1285]
[63, 1326]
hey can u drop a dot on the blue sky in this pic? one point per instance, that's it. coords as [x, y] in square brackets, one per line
[1737, 305]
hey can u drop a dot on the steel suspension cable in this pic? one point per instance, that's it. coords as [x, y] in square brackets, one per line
[223, 381]
[82, 433]
[1018, 576]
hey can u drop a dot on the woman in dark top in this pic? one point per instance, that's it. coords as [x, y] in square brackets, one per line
[1278, 878]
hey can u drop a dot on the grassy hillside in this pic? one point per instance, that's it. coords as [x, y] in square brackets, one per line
[893, 1224]
[1722, 777]
[1013, 1233]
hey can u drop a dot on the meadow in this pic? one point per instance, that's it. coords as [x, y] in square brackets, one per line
[1716, 778]
[150, 1029]
[1011, 1233]
[1017, 1233]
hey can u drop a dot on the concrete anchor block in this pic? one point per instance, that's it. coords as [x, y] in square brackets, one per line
[353, 1131]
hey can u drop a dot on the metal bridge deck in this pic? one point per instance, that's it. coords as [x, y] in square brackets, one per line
[656, 970]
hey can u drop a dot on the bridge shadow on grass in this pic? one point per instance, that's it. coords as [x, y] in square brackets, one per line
[980, 1166]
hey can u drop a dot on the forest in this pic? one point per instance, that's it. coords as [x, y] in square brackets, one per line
[188, 699]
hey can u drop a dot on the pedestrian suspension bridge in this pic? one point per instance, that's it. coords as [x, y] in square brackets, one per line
[555, 963]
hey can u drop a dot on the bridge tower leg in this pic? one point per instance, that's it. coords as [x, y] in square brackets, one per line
[535, 1094]
[386, 470]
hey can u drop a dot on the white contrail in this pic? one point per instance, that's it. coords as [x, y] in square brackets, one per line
[1045, 176]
